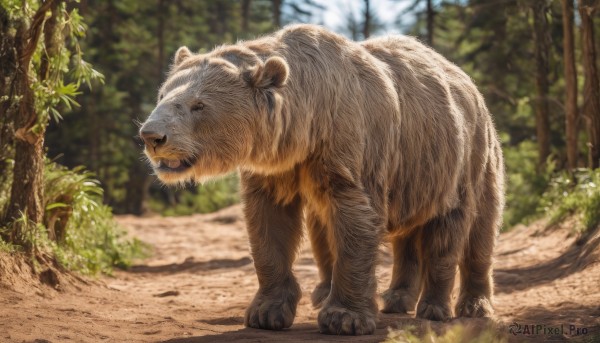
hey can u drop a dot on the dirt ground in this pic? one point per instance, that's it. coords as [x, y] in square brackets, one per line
[200, 279]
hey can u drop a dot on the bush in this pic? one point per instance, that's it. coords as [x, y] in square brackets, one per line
[524, 184]
[77, 227]
[573, 196]
[209, 197]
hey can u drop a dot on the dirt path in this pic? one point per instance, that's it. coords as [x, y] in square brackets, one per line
[200, 279]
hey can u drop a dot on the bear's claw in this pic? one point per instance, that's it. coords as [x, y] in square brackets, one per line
[398, 301]
[335, 320]
[433, 311]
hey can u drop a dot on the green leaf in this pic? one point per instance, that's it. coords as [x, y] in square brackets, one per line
[56, 205]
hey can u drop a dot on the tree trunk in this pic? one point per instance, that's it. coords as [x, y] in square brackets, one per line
[139, 181]
[591, 88]
[367, 23]
[571, 83]
[8, 68]
[26, 197]
[138, 185]
[245, 15]
[160, 34]
[430, 22]
[137, 189]
[276, 13]
[542, 47]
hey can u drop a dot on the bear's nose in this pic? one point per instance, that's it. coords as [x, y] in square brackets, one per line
[153, 139]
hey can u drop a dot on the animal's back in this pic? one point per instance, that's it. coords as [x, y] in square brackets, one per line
[446, 137]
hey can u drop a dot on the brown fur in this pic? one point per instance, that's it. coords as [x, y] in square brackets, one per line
[357, 140]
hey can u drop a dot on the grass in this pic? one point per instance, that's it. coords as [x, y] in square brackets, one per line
[577, 196]
[457, 333]
[533, 193]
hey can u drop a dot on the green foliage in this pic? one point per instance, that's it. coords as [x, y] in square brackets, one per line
[31, 235]
[578, 196]
[77, 227]
[132, 43]
[5, 181]
[524, 183]
[66, 70]
[206, 198]
[7, 247]
[456, 333]
[93, 242]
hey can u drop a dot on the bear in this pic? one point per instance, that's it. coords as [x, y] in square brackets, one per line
[358, 142]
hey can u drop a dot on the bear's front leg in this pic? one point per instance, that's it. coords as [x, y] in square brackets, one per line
[350, 308]
[274, 230]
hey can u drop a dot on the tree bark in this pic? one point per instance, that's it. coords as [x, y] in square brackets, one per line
[276, 13]
[430, 22]
[570, 72]
[591, 88]
[245, 15]
[8, 69]
[542, 47]
[160, 34]
[26, 197]
[367, 23]
[138, 187]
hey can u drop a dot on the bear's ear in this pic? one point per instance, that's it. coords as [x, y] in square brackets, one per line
[274, 73]
[181, 55]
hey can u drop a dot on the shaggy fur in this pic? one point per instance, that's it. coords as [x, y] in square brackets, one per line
[358, 141]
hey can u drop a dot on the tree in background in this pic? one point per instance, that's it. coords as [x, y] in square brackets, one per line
[362, 26]
[542, 54]
[276, 13]
[513, 49]
[245, 14]
[20, 113]
[44, 45]
[570, 73]
[52, 213]
[591, 89]
[430, 22]
[429, 13]
[299, 11]
[367, 21]
[132, 42]
[8, 67]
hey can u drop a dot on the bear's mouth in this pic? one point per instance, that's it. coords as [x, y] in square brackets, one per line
[174, 166]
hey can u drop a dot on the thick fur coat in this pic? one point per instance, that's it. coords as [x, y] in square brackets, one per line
[359, 142]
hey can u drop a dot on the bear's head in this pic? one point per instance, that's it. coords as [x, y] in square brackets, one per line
[213, 112]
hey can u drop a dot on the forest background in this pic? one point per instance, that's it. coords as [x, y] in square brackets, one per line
[78, 76]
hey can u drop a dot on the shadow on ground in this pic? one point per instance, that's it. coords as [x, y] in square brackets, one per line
[190, 265]
[309, 332]
[576, 258]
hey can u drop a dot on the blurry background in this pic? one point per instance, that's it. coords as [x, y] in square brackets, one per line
[512, 49]
[535, 61]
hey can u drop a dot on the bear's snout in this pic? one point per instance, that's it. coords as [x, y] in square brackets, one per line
[153, 135]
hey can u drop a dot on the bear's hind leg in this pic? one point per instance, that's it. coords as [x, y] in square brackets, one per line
[441, 243]
[274, 230]
[404, 289]
[476, 285]
[322, 253]
[476, 282]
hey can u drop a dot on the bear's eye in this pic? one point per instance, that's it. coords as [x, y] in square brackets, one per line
[160, 97]
[197, 107]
